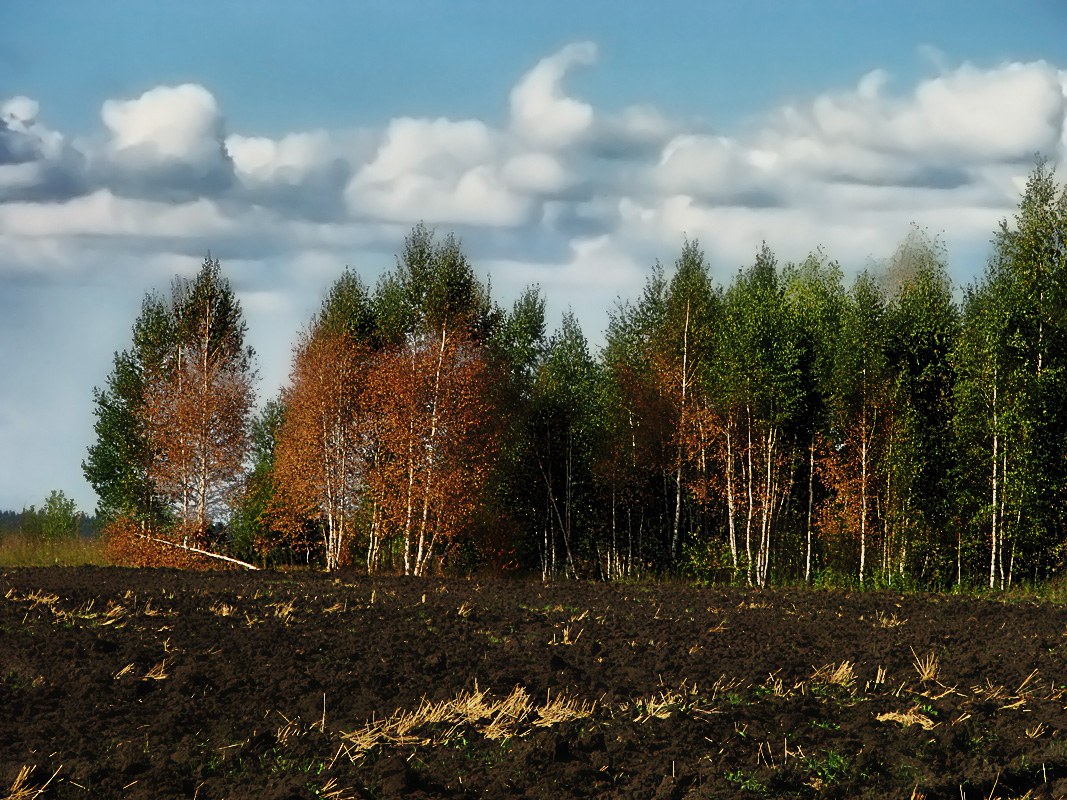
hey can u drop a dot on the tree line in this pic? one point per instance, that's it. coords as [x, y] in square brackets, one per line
[55, 520]
[785, 426]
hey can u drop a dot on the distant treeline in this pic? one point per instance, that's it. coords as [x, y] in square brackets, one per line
[33, 522]
[782, 427]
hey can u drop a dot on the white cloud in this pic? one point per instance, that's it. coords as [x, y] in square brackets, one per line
[287, 160]
[540, 112]
[104, 214]
[169, 122]
[536, 173]
[439, 171]
[708, 165]
[1001, 114]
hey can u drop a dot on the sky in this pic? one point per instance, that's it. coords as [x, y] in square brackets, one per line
[568, 144]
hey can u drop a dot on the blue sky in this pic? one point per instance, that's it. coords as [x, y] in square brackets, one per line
[569, 144]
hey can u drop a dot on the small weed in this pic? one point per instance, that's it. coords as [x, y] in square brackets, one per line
[746, 782]
[829, 769]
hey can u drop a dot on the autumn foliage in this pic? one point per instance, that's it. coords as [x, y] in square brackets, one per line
[390, 434]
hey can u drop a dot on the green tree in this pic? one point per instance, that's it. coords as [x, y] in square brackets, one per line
[119, 462]
[681, 353]
[922, 326]
[861, 406]
[198, 401]
[562, 440]
[1013, 388]
[816, 297]
[172, 419]
[251, 527]
[59, 517]
[764, 383]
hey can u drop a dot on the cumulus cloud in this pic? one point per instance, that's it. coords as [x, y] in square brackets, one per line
[636, 132]
[36, 163]
[441, 171]
[540, 111]
[288, 160]
[302, 175]
[536, 173]
[17, 144]
[167, 144]
[969, 117]
[103, 214]
[842, 167]
[182, 123]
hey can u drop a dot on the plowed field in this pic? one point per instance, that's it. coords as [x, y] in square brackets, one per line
[166, 684]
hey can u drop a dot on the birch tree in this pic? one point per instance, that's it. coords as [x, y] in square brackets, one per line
[860, 408]
[198, 400]
[816, 297]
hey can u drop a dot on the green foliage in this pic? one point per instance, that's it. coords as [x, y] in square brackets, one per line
[118, 461]
[59, 517]
[250, 527]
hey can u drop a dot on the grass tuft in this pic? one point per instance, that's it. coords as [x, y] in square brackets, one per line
[843, 675]
[927, 667]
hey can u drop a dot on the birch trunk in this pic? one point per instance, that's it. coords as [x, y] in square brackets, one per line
[681, 431]
[731, 511]
[811, 483]
[748, 522]
[993, 520]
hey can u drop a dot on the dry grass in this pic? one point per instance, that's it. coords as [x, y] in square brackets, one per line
[882, 621]
[566, 638]
[222, 609]
[331, 791]
[659, 706]
[114, 613]
[495, 719]
[39, 598]
[284, 611]
[1036, 731]
[17, 550]
[21, 789]
[844, 675]
[927, 667]
[562, 709]
[910, 717]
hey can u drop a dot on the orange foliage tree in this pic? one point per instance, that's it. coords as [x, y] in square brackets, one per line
[390, 433]
[437, 434]
[326, 441]
[198, 400]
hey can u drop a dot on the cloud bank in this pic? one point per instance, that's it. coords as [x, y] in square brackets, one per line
[846, 169]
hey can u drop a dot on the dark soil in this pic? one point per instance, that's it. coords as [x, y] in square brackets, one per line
[166, 684]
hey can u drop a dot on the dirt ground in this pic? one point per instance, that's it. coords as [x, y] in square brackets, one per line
[166, 684]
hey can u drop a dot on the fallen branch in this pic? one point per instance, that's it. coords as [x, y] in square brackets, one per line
[192, 549]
